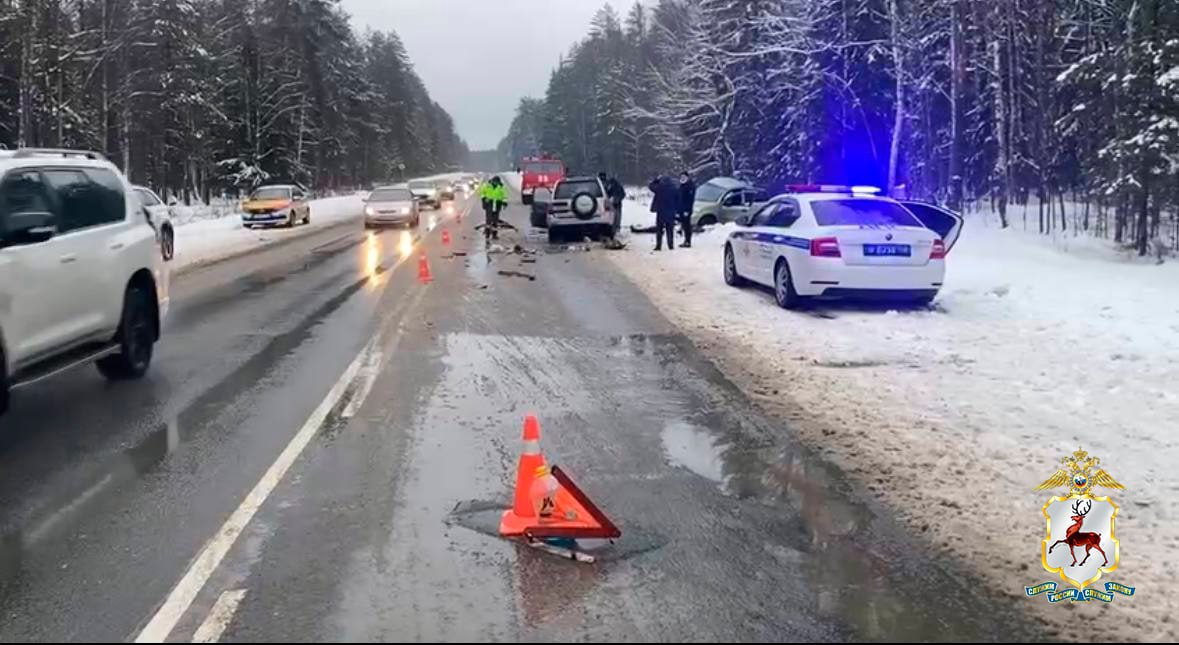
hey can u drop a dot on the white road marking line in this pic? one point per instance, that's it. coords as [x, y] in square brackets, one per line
[219, 616]
[368, 376]
[178, 602]
[202, 568]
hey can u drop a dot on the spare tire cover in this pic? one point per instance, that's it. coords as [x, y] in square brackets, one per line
[583, 205]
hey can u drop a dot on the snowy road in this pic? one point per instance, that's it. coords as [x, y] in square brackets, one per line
[288, 469]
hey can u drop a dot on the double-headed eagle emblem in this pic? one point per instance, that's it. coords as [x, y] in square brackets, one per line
[1077, 473]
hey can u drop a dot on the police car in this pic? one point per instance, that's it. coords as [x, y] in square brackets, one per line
[842, 242]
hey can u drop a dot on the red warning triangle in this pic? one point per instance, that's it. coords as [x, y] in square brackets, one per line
[574, 515]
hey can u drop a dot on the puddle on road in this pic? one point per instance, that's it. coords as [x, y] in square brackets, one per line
[693, 448]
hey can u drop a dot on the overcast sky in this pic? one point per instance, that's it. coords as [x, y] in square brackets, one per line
[478, 57]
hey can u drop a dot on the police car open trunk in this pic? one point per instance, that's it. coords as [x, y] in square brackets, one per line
[869, 231]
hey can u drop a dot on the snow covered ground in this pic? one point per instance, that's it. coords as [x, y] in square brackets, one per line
[1036, 346]
[204, 237]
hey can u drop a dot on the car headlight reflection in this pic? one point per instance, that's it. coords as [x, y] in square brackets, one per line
[405, 245]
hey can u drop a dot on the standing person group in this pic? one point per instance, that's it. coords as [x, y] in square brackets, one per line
[671, 202]
[495, 198]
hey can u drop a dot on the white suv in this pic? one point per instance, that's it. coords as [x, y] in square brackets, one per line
[580, 203]
[81, 273]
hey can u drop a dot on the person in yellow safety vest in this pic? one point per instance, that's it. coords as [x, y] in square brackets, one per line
[495, 198]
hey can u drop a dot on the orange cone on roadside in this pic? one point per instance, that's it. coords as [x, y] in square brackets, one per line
[424, 270]
[445, 237]
[521, 514]
[547, 503]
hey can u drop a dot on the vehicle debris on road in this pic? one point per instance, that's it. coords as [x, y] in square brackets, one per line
[517, 274]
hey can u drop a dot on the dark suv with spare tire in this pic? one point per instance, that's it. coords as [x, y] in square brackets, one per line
[580, 205]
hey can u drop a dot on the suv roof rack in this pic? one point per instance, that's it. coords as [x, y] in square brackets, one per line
[22, 153]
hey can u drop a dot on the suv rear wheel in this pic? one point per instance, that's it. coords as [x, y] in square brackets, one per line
[136, 338]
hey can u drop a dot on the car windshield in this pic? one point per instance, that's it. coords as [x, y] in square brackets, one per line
[390, 195]
[421, 185]
[709, 192]
[272, 192]
[146, 197]
[861, 212]
[545, 168]
[568, 189]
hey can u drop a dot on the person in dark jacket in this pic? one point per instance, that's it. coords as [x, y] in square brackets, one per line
[665, 203]
[616, 193]
[687, 204]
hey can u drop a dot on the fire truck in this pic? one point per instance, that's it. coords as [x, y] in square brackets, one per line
[539, 172]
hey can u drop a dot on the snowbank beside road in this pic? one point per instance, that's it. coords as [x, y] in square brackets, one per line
[952, 416]
[205, 241]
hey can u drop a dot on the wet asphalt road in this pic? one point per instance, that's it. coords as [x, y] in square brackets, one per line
[379, 530]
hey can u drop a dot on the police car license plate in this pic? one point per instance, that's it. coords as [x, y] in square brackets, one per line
[903, 250]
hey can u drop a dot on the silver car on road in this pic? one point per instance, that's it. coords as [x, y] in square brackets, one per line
[724, 199]
[391, 206]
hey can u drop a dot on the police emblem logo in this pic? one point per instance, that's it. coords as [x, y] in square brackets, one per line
[1080, 544]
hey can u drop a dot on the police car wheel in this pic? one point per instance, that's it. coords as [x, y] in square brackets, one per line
[784, 291]
[583, 205]
[167, 243]
[732, 278]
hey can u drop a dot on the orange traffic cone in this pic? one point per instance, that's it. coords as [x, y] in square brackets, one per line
[522, 515]
[445, 237]
[424, 270]
[547, 503]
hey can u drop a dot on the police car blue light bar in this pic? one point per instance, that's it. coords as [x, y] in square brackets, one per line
[832, 188]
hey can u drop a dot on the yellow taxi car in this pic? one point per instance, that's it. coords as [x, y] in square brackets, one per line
[276, 205]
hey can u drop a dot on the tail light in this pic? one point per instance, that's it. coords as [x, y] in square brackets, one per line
[825, 247]
[939, 250]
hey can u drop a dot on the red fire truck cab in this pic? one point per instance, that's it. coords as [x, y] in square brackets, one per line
[539, 172]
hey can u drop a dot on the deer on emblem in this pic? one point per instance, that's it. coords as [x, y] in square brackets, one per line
[1074, 538]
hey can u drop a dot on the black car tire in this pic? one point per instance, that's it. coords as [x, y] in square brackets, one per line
[784, 293]
[732, 278]
[526, 200]
[136, 338]
[583, 213]
[167, 243]
[290, 223]
[307, 217]
[554, 235]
